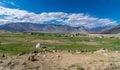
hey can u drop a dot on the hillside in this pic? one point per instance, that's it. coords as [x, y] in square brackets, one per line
[114, 30]
[100, 29]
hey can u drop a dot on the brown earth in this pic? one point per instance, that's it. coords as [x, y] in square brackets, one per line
[63, 61]
[48, 41]
[88, 43]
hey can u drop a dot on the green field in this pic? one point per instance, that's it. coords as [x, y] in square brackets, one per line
[15, 42]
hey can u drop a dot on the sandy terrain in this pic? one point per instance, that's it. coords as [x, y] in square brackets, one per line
[63, 61]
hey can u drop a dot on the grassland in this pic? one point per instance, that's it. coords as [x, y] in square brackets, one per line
[15, 42]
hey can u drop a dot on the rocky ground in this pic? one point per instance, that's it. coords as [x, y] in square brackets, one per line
[99, 60]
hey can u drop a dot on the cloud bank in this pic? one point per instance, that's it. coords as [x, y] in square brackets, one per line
[8, 15]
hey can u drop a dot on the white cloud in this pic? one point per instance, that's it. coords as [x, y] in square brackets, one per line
[88, 21]
[6, 2]
[8, 15]
[12, 3]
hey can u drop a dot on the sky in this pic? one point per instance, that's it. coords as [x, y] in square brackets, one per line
[89, 13]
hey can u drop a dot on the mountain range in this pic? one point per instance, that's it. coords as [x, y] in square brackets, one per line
[27, 27]
[50, 28]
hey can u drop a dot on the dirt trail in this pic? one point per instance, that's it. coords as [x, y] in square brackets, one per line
[49, 41]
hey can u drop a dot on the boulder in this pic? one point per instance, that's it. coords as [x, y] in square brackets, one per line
[39, 45]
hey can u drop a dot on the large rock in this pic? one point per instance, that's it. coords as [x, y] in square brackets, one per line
[102, 50]
[39, 45]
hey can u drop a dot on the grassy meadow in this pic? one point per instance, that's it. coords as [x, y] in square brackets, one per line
[16, 42]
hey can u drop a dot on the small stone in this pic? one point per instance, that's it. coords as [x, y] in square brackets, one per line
[32, 57]
[78, 52]
[2, 55]
[37, 67]
[1, 61]
[21, 53]
[24, 63]
[9, 63]
[44, 55]
[53, 51]
[35, 51]
[58, 56]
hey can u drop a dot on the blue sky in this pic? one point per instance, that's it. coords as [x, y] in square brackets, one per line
[99, 8]
[93, 10]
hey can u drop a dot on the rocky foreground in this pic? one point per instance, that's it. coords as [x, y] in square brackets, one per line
[99, 60]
